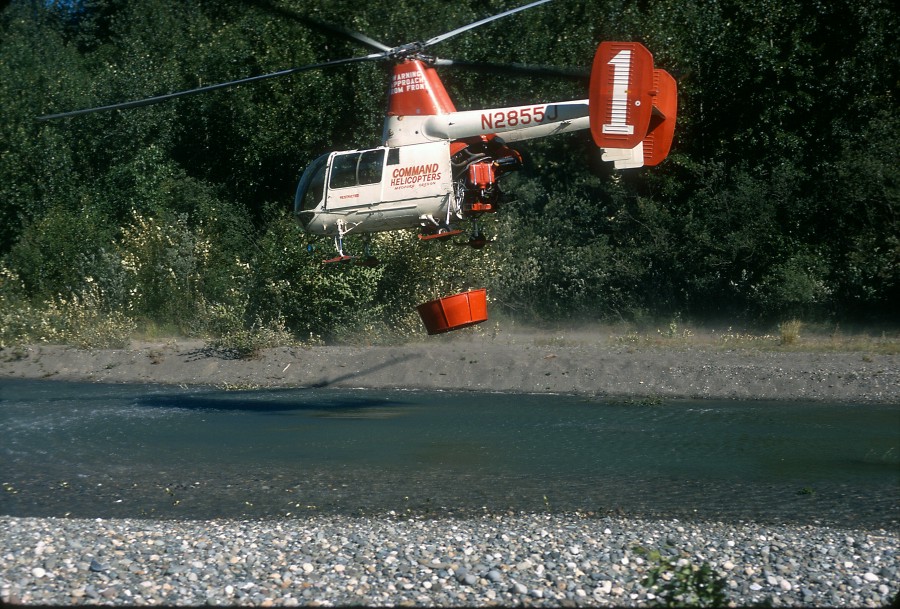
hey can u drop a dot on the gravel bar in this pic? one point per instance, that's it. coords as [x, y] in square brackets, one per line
[526, 559]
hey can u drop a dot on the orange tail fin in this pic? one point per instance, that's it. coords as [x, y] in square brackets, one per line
[631, 103]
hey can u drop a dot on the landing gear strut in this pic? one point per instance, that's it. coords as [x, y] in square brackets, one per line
[339, 244]
[478, 240]
[367, 260]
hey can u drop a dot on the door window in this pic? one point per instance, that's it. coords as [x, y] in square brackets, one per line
[357, 168]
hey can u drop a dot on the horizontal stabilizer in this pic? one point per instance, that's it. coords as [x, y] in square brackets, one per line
[662, 122]
[625, 158]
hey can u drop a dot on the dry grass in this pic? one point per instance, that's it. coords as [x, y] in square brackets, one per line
[791, 335]
[787, 338]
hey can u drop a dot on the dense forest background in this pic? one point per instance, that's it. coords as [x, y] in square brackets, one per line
[779, 199]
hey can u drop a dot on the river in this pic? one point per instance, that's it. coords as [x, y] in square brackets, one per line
[101, 450]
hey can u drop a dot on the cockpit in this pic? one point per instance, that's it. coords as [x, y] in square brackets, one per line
[353, 169]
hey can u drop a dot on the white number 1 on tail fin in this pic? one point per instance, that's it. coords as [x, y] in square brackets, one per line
[621, 64]
[621, 94]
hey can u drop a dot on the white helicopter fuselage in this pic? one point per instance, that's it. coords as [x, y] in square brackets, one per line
[409, 181]
[380, 189]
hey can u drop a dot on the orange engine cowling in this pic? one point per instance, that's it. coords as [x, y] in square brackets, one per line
[481, 175]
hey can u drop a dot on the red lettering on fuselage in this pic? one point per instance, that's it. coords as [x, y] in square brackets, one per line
[413, 175]
[414, 170]
[517, 117]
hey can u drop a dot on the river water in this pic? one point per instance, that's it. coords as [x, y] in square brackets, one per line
[94, 450]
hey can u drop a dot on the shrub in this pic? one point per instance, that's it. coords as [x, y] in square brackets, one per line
[162, 261]
[246, 343]
[78, 320]
[790, 331]
[59, 251]
[683, 584]
[288, 283]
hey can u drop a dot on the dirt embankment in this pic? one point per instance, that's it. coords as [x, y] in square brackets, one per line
[577, 364]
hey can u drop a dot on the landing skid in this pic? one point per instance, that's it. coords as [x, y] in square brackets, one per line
[368, 261]
[338, 259]
[440, 235]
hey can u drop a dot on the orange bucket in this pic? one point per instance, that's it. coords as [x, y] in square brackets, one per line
[454, 312]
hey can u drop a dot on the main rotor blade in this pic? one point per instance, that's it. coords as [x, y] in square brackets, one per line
[466, 28]
[223, 85]
[370, 42]
[273, 7]
[386, 52]
[516, 68]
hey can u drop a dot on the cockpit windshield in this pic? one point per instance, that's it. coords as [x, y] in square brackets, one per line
[310, 190]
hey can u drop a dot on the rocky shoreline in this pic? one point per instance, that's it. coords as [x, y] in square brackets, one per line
[518, 559]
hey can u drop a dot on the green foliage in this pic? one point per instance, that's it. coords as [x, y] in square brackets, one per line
[289, 282]
[679, 583]
[779, 199]
[246, 343]
[340, 301]
[161, 261]
[76, 320]
[862, 201]
[62, 251]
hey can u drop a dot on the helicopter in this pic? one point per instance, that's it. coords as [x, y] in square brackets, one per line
[437, 167]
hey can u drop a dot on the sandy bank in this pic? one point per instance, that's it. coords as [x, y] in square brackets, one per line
[506, 362]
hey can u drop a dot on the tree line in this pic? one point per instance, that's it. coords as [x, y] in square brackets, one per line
[779, 198]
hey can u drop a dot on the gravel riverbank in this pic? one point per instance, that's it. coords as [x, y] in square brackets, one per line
[509, 559]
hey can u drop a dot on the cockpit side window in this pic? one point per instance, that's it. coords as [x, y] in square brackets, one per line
[357, 168]
[316, 190]
[343, 170]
